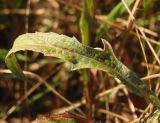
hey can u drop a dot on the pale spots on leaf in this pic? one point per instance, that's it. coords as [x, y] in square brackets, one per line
[81, 56]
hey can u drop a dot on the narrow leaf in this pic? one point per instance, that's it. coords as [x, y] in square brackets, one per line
[87, 21]
[112, 15]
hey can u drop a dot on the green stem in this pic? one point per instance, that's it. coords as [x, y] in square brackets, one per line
[86, 26]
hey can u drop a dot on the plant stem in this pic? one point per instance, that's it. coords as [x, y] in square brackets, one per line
[86, 26]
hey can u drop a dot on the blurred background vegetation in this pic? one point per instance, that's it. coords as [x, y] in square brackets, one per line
[128, 32]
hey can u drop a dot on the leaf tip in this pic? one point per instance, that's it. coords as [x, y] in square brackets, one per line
[106, 44]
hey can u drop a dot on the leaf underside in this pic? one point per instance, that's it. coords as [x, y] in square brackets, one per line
[81, 56]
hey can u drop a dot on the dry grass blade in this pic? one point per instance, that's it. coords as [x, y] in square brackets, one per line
[69, 108]
[137, 3]
[145, 113]
[114, 115]
[131, 106]
[40, 81]
[153, 76]
[147, 31]
[151, 66]
[104, 20]
[63, 98]
[150, 46]
[29, 92]
[39, 12]
[47, 80]
[27, 15]
[128, 10]
[145, 57]
[120, 86]
[98, 17]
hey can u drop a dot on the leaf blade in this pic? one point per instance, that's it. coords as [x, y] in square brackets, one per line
[81, 56]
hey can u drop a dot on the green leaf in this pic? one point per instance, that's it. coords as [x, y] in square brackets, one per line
[87, 21]
[81, 56]
[62, 120]
[112, 15]
[154, 118]
[3, 53]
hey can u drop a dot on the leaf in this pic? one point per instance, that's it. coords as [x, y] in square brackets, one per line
[81, 56]
[87, 21]
[154, 118]
[112, 15]
[62, 118]
[3, 53]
